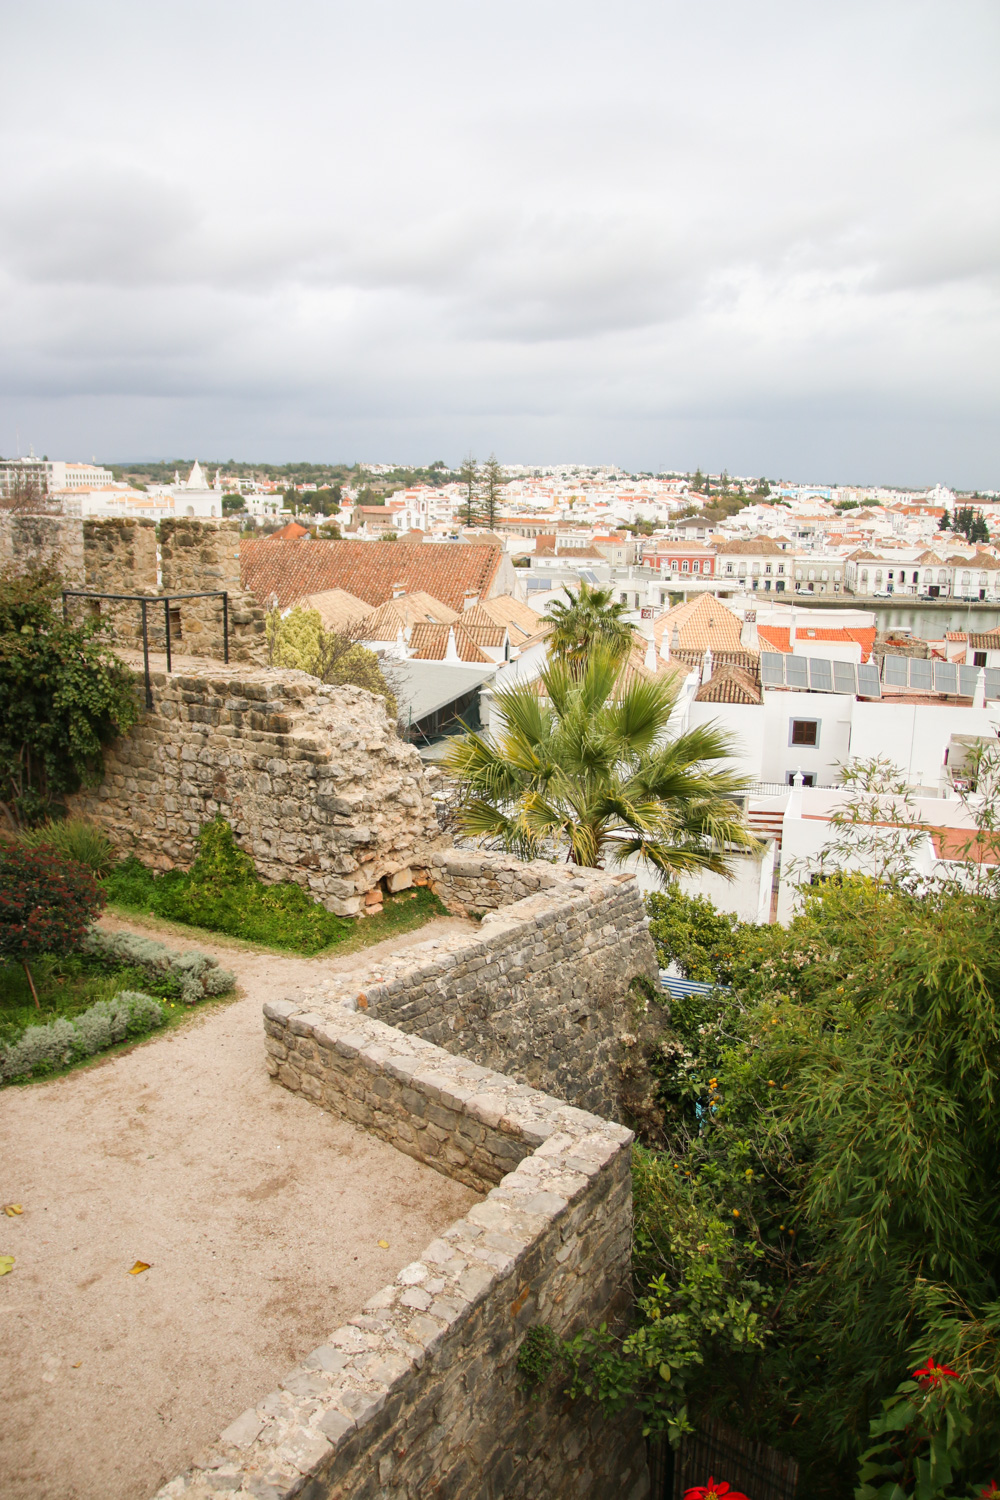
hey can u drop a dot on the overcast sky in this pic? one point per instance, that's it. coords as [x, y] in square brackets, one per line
[747, 233]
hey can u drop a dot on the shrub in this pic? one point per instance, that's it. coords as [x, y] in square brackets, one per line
[76, 839]
[63, 696]
[46, 905]
[196, 973]
[43, 1049]
[223, 893]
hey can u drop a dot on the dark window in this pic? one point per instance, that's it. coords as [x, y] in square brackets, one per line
[176, 633]
[808, 778]
[805, 732]
[979, 658]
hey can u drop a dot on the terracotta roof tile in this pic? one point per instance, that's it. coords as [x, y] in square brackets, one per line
[729, 684]
[430, 643]
[384, 623]
[701, 622]
[369, 570]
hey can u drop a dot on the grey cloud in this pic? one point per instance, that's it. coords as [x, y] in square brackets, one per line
[635, 226]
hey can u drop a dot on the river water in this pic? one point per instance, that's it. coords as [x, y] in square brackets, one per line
[931, 621]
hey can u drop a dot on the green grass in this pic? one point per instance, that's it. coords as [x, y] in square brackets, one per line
[280, 917]
[222, 892]
[66, 987]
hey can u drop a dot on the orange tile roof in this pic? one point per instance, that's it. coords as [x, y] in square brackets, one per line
[519, 618]
[778, 637]
[430, 642]
[701, 622]
[369, 570]
[730, 684]
[409, 609]
[293, 532]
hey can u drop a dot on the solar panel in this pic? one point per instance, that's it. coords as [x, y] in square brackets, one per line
[772, 669]
[797, 671]
[894, 672]
[921, 673]
[868, 683]
[993, 682]
[844, 679]
[945, 677]
[967, 678]
[820, 675]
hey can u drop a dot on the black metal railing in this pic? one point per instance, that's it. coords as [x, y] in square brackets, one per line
[760, 1472]
[145, 602]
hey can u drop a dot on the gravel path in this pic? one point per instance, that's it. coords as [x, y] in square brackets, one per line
[259, 1214]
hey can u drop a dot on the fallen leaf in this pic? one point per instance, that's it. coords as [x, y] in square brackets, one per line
[77, 1365]
[6, 1264]
[139, 1267]
[383, 1244]
[10, 1209]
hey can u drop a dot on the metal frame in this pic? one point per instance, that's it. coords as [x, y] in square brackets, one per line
[145, 600]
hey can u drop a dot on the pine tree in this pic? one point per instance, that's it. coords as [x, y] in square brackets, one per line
[493, 483]
[469, 475]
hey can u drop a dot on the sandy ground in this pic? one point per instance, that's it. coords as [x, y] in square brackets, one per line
[259, 1214]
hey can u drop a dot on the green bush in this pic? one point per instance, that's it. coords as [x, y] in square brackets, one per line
[45, 1049]
[223, 893]
[76, 839]
[194, 974]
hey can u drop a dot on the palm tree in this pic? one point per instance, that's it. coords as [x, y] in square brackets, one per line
[592, 615]
[586, 766]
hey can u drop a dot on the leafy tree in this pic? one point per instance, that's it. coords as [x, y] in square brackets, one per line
[493, 482]
[593, 616]
[698, 482]
[300, 640]
[945, 522]
[231, 504]
[46, 905]
[63, 696]
[588, 770]
[971, 524]
[469, 476]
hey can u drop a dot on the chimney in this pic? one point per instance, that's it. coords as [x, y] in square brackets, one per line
[451, 650]
[675, 639]
[665, 646]
[650, 662]
[791, 628]
[706, 670]
[398, 590]
[471, 599]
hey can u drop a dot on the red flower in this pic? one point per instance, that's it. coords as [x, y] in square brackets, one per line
[993, 1489]
[931, 1375]
[715, 1489]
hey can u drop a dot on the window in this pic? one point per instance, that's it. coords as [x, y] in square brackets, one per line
[767, 567]
[864, 575]
[979, 658]
[685, 566]
[729, 567]
[808, 778]
[781, 567]
[804, 732]
[176, 633]
[697, 567]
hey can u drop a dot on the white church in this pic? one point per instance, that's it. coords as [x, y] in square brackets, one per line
[194, 496]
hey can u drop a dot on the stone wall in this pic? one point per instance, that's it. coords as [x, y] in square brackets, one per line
[314, 780]
[55, 541]
[419, 1395]
[539, 990]
[201, 557]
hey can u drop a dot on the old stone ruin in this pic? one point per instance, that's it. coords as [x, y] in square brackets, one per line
[466, 1053]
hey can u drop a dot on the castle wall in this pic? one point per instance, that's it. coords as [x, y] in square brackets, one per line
[318, 787]
[202, 557]
[420, 1394]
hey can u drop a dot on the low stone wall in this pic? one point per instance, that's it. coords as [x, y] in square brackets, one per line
[419, 1395]
[314, 780]
[540, 989]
